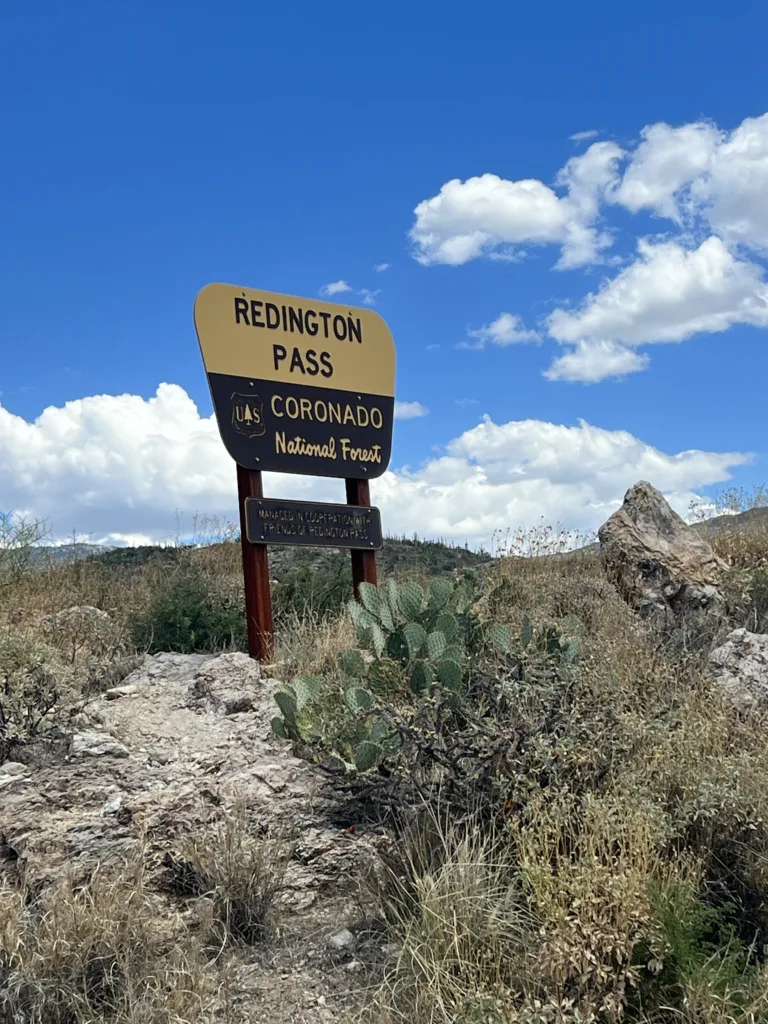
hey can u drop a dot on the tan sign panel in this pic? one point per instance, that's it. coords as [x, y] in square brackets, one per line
[298, 386]
[264, 335]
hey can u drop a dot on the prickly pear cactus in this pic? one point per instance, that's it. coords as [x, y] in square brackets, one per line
[421, 633]
[411, 645]
[415, 644]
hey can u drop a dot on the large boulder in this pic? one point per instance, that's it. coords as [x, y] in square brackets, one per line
[740, 665]
[662, 567]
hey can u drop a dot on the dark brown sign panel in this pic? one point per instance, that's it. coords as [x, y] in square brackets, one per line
[292, 428]
[298, 386]
[272, 521]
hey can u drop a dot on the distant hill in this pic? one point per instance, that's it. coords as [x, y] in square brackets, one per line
[61, 554]
[135, 556]
[752, 519]
[397, 555]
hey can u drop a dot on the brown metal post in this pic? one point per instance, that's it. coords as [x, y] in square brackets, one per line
[363, 562]
[258, 597]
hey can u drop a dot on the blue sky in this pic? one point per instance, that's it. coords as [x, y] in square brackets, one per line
[152, 148]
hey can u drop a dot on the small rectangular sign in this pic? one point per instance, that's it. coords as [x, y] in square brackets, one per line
[313, 524]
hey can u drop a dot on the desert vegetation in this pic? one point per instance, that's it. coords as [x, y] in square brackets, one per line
[576, 814]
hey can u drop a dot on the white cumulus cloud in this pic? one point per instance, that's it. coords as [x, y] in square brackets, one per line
[113, 467]
[381, 267]
[669, 294]
[410, 410]
[506, 329]
[488, 215]
[698, 171]
[335, 288]
[704, 275]
[666, 160]
[593, 361]
[585, 136]
[733, 193]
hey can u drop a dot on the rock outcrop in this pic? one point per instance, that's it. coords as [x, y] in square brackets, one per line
[165, 755]
[663, 568]
[740, 665]
[166, 751]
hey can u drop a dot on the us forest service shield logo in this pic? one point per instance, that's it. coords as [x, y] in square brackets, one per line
[248, 415]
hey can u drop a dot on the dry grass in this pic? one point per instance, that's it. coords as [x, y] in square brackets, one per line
[235, 877]
[746, 582]
[456, 912]
[627, 879]
[310, 645]
[105, 952]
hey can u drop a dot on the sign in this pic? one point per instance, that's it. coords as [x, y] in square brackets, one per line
[272, 521]
[298, 386]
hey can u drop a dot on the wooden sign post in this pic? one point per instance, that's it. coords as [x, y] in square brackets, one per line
[298, 386]
[363, 561]
[258, 594]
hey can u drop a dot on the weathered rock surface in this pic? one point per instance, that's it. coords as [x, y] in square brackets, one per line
[185, 737]
[663, 568]
[96, 744]
[230, 683]
[188, 735]
[740, 665]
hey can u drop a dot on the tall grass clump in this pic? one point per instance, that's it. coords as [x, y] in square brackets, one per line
[106, 951]
[459, 921]
[238, 876]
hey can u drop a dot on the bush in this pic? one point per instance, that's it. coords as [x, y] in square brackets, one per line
[34, 689]
[311, 586]
[186, 613]
[90, 643]
[19, 540]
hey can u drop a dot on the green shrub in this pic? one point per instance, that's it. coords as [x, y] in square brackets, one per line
[409, 691]
[311, 586]
[34, 685]
[695, 949]
[186, 613]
